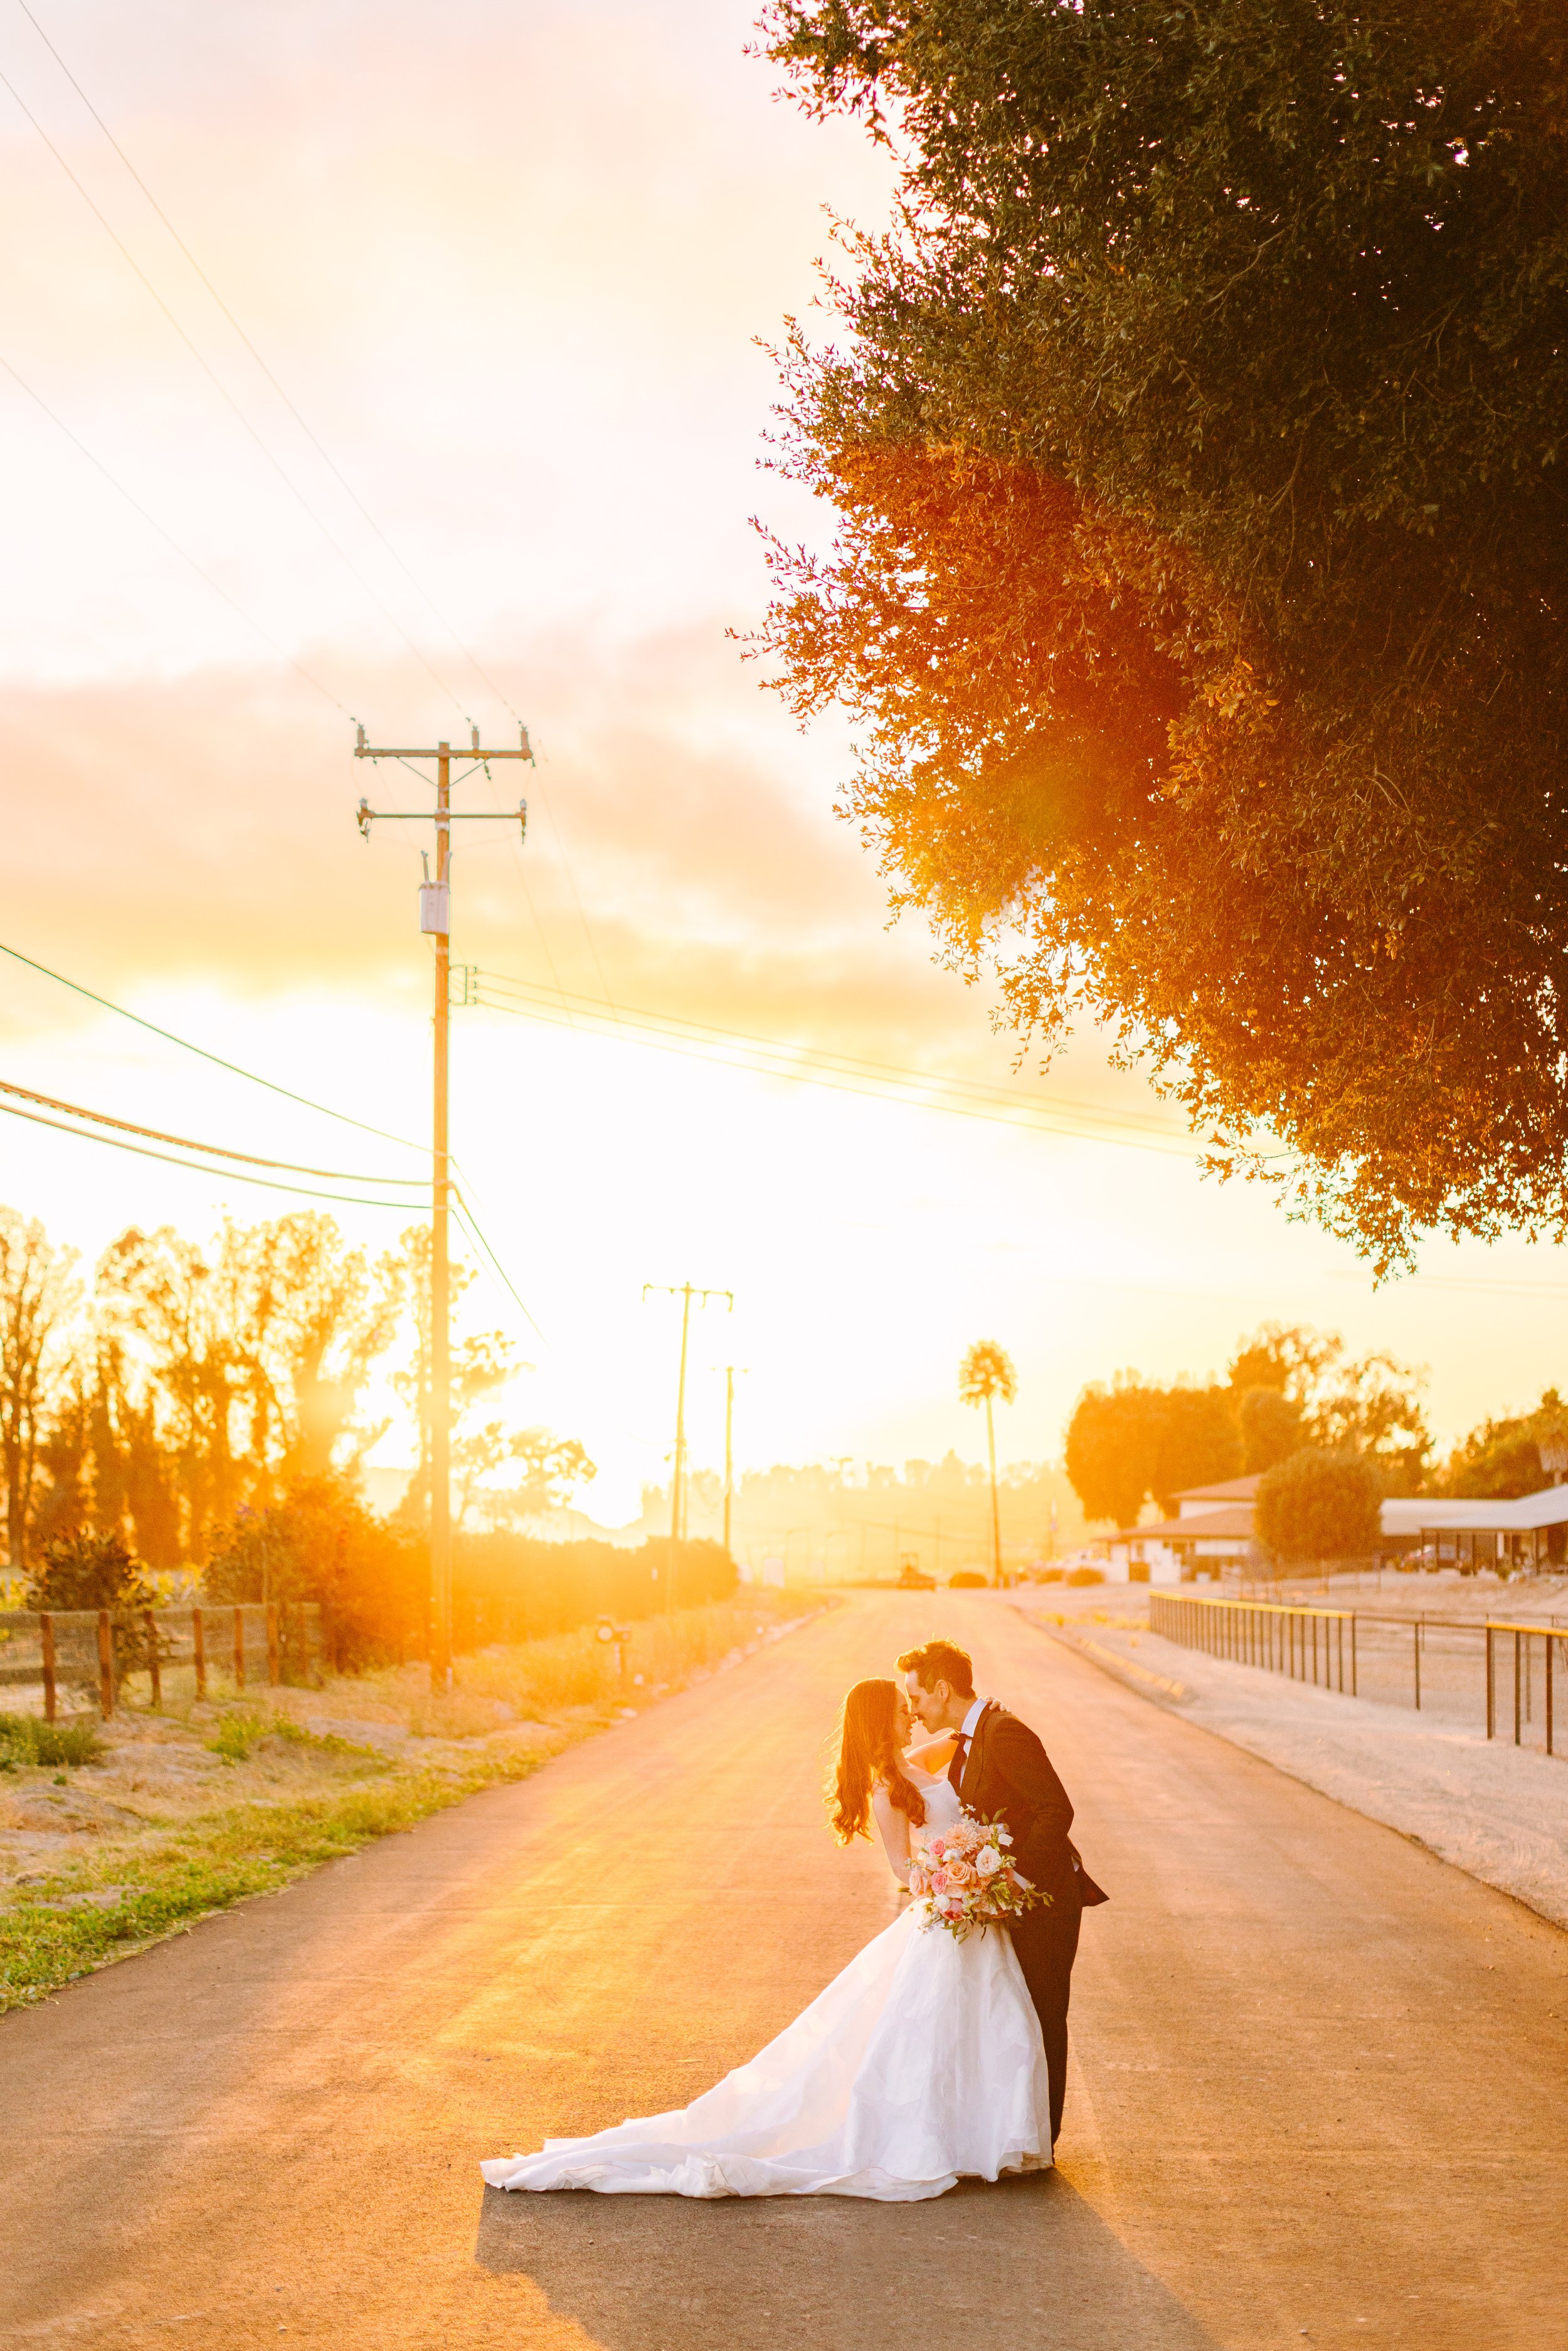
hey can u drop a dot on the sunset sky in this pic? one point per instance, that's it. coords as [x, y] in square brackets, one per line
[511, 264]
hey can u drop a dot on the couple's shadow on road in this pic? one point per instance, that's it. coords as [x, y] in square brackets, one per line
[1026, 2264]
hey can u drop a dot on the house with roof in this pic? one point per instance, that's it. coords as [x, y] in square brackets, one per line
[1212, 1530]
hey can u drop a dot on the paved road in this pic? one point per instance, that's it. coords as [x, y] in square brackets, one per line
[1319, 2091]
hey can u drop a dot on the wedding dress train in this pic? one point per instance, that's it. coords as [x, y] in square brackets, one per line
[920, 2064]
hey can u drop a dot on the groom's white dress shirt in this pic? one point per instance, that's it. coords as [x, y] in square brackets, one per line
[967, 1732]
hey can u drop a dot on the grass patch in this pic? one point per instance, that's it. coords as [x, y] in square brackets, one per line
[24, 1739]
[241, 1732]
[54, 1935]
[237, 1733]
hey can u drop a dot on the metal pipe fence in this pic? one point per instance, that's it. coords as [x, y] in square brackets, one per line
[60, 1655]
[1314, 1645]
[1521, 1637]
[1280, 1637]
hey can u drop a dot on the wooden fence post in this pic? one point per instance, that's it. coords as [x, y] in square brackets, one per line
[154, 1676]
[239, 1648]
[105, 1664]
[199, 1651]
[274, 1672]
[46, 1642]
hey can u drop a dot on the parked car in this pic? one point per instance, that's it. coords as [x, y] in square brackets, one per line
[912, 1579]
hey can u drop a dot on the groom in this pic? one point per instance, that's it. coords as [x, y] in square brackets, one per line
[1002, 1773]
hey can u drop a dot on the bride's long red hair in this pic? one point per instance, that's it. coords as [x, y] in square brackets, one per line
[869, 1757]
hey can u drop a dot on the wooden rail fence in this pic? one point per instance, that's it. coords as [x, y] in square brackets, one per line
[89, 1651]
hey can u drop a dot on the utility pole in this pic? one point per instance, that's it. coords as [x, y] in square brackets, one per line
[728, 1448]
[436, 922]
[686, 1292]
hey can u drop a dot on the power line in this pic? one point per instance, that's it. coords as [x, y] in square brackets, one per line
[841, 1074]
[169, 540]
[227, 398]
[192, 1168]
[304, 1103]
[213, 1150]
[325, 455]
[217, 1059]
[470, 1223]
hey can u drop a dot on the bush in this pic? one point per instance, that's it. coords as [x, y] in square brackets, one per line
[24, 1739]
[89, 1571]
[968, 1579]
[370, 1579]
[1319, 1505]
[1084, 1575]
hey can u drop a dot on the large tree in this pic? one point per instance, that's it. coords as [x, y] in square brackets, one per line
[1339, 1403]
[1502, 1458]
[1320, 1506]
[1132, 1439]
[1201, 558]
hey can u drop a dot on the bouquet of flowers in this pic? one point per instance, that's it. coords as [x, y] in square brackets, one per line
[964, 1879]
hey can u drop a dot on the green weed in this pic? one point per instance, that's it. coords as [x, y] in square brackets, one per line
[25, 1738]
[237, 1735]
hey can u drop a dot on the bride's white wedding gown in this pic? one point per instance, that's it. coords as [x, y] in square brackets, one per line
[920, 2064]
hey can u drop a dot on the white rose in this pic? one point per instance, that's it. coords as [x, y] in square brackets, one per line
[988, 1862]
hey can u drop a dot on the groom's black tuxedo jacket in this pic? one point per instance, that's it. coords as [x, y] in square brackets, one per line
[1008, 1776]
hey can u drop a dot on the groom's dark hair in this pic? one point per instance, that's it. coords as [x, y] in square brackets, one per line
[940, 1661]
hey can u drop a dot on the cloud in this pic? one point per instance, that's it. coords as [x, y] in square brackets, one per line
[681, 850]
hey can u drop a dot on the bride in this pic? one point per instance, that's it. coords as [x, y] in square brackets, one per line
[920, 2064]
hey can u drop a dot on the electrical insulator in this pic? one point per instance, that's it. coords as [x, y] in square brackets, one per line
[436, 908]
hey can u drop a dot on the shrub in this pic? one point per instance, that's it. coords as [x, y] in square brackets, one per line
[319, 1542]
[1319, 1505]
[238, 1733]
[24, 1739]
[89, 1571]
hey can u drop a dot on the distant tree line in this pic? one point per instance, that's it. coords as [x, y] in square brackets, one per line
[1329, 1436]
[1289, 1389]
[187, 1389]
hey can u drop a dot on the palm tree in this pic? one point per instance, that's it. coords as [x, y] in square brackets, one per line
[986, 1371]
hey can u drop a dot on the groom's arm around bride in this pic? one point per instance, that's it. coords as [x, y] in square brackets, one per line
[1006, 1774]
